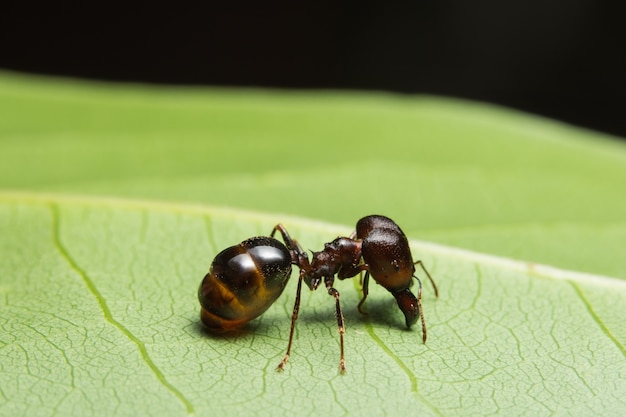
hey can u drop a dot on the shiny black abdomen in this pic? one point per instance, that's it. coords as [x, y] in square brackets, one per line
[243, 281]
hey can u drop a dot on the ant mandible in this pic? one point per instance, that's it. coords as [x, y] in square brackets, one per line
[244, 280]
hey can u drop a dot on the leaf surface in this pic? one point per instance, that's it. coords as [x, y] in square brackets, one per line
[106, 319]
[98, 304]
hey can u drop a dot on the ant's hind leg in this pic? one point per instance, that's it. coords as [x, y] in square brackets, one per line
[289, 242]
[299, 256]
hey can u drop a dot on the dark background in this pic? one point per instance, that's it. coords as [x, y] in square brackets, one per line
[565, 59]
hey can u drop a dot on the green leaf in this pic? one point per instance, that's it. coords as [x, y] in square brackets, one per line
[448, 171]
[104, 320]
[99, 271]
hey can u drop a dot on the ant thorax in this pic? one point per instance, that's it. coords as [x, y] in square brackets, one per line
[340, 257]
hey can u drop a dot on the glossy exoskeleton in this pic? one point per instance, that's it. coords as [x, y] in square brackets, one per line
[243, 282]
[246, 279]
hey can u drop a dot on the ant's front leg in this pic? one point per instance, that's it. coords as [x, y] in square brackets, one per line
[340, 326]
[421, 264]
[365, 288]
[357, 270]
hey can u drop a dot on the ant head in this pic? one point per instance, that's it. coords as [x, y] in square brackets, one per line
[317, 269]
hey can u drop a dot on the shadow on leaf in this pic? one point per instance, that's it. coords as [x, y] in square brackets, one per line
[248, 330]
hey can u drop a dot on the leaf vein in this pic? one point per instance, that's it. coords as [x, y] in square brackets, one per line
[56, 226]
[412, 378]
[597, 318]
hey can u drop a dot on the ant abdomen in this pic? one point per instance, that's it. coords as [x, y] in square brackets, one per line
[243, 282]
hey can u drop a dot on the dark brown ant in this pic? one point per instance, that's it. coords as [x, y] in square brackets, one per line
[235, 291]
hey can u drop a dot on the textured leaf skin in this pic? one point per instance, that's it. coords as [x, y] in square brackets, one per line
[100, 317]
[98, 308]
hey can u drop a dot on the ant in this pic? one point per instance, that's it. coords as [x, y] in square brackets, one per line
[244, 280]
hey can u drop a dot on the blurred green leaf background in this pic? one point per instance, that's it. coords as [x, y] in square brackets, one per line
[453, 172]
